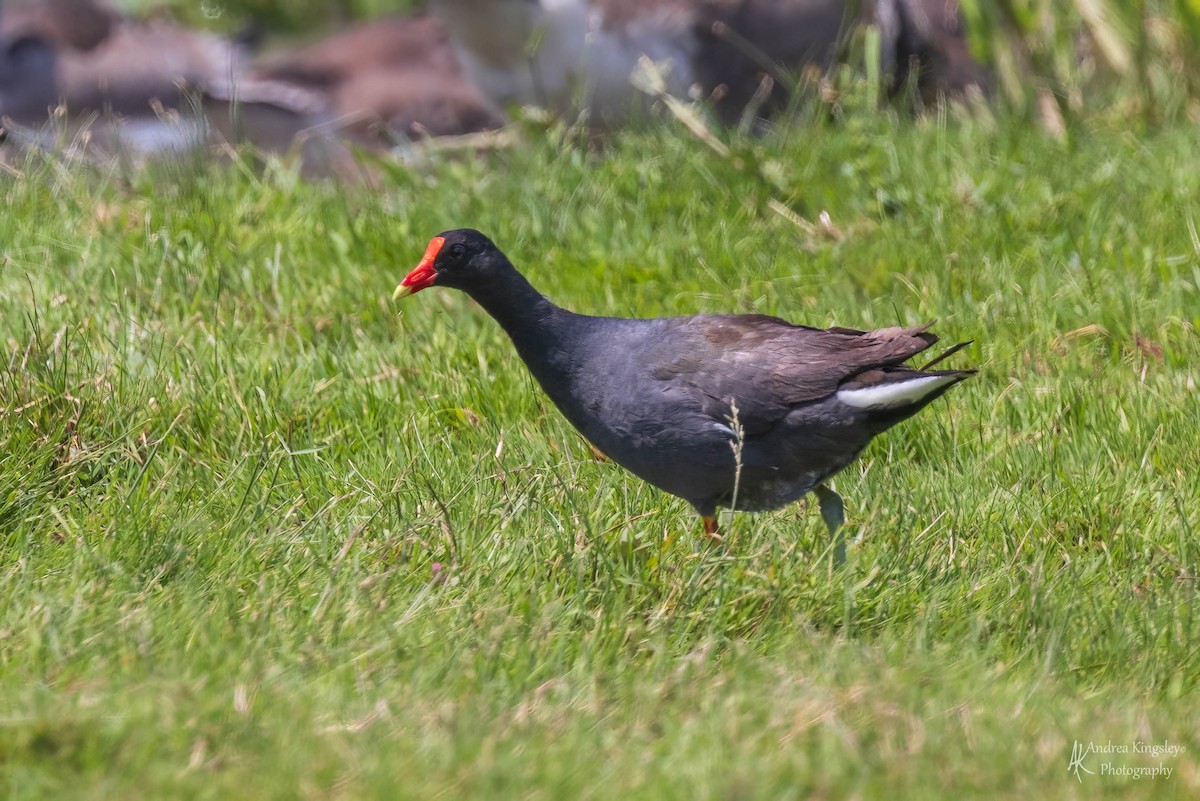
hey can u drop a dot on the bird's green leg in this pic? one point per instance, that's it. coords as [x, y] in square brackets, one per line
[834, 515]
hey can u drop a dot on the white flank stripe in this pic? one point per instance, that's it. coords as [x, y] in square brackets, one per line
[724, 429]
[891, 396]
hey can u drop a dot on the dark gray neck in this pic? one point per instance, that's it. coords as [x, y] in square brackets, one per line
[537, 327]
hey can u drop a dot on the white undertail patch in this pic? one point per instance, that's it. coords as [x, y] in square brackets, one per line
[896, 394]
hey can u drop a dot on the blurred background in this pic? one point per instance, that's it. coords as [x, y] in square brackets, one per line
[324, 79]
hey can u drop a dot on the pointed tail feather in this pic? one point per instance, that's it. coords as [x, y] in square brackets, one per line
[950, 351]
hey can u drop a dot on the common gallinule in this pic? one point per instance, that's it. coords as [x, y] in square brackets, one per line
[741, 411]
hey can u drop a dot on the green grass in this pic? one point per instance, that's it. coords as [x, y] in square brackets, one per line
[264, 534]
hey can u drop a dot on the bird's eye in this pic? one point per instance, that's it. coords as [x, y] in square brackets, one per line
[457, 250]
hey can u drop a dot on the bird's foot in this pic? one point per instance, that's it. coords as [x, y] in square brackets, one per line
[833, 512]
[712, 529]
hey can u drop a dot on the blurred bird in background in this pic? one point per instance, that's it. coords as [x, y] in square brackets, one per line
[154, 85]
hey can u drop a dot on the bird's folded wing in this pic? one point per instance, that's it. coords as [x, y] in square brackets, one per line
[764, 366]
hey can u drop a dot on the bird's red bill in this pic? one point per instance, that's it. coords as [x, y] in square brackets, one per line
[423, 275]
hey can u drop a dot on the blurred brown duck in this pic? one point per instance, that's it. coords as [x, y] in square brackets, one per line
[101, 60]
[389, 76]
[150, 85]
[73, 24]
